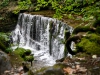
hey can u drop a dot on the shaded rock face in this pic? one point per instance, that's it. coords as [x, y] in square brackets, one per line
[8, 21]
[4, 62]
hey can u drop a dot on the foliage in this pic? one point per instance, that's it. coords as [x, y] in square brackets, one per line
[4, 3]
[90, 44]
[4, 36]
[41, 3]
[87, 8]
[8, 50]
[94, 38]
[4, 42]
[22, 5]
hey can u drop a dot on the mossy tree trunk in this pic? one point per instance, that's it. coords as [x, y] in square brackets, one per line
[84, 29]
[76, 39]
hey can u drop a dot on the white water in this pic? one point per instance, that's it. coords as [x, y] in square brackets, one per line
[32, 32]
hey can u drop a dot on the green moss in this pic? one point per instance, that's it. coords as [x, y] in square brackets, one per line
[90, 44]
[81, 29]
[20, 51]
[59, 65]
[29, 58]
[27, 52]
[16, 59]
[94, 38]
[24, 53]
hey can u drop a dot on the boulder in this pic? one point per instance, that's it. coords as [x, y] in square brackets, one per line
[4, 62]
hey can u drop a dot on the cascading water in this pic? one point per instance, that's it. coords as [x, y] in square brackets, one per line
[33, 31]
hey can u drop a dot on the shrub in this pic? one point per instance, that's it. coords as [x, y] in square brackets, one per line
[4, 3]
[22, 5]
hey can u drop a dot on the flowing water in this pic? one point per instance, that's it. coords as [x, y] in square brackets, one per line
[33, 32]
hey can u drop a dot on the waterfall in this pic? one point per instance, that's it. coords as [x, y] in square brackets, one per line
[33, 31]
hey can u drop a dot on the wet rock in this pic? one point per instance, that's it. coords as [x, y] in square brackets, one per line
[6, 72]
[5, 64]
[53, 71]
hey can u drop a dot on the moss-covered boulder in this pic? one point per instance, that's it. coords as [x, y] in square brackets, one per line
[20, 51]
[90, 44]
[29, 58]
[25, 54]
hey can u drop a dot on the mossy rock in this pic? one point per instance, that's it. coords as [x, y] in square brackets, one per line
[24, 53]
[16, 59]
[90, 44]
[20, 51]
[29, 58]
[27, 52]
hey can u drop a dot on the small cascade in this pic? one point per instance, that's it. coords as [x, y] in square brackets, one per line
[43, 35]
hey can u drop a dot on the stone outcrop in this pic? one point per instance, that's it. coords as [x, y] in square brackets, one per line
[7, 21]
[4, 62]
